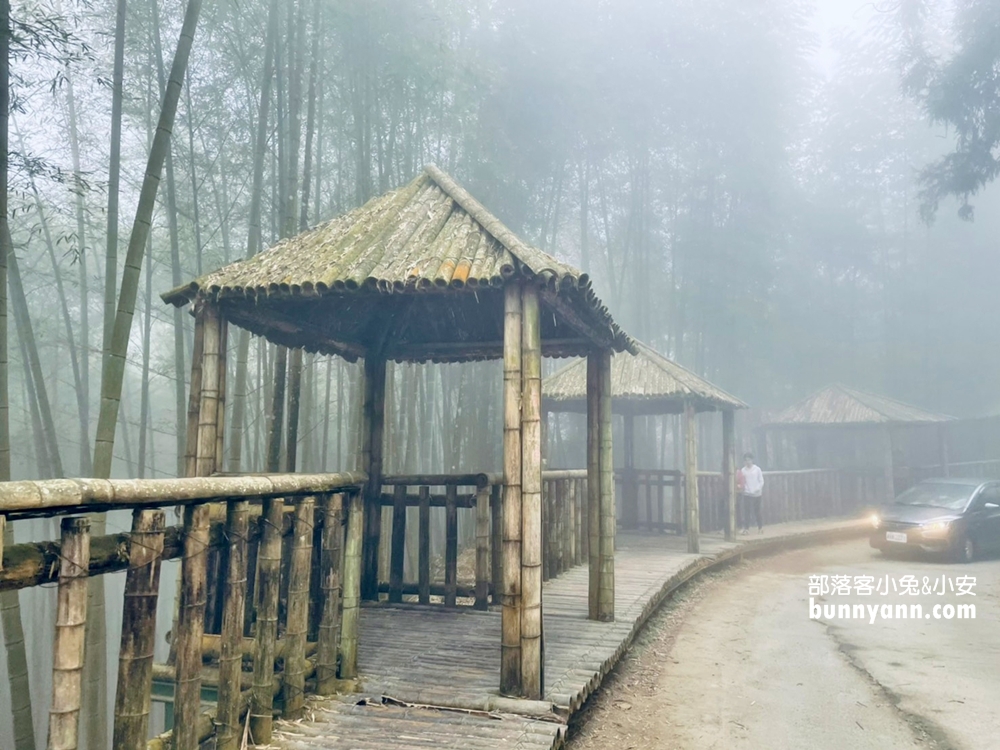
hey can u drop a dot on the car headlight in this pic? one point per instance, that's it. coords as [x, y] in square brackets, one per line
[938, 528]
[876, 521]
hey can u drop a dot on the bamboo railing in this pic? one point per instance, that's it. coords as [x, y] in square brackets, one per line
[238, 595]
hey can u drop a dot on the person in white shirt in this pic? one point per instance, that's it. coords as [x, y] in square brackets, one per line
[753, 491]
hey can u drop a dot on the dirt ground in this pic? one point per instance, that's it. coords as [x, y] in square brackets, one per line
[733, 661]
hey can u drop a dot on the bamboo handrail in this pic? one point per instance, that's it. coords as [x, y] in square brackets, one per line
[54, 496]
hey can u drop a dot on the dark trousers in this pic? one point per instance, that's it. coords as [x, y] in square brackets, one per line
[750, 507]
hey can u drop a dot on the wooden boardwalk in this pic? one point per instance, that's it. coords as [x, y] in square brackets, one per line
[415, 661]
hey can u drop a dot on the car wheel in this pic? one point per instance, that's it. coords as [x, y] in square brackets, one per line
[965, 550]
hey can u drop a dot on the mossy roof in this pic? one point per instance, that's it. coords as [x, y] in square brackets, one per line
[644, 383]
[417, 273]
[839, 405]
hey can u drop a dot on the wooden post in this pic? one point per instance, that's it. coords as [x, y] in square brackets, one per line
[594, 482]
[68, 645]
[329, 624]
[194, 564]
[606, 602]
[352, 588]
[424, 541]
[135, 661]
[297, 620]
[372, 429]
[267, 590]
[691, 478]
[398, 544]
[630, 499]
[482, 547]
[510, 641]
[229, 730]
[572, 548]
[532, 652]
[451, 545]
[729, 471]
[889, 467]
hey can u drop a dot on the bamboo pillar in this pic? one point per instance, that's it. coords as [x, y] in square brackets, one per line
[729, 471]
[691, 478]
[68, 645]
[532, 646]
[194, 564]
[329, 624]
[606, 600]
[135, 661]
[944, 449]
[450, 545]
[352, 588]
[372, 431]
[496, 541]
[510, 596]
[594, 483]
[424, 543]
[229, 730]
[297, 620]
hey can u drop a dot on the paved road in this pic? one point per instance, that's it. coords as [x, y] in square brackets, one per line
[742, 665]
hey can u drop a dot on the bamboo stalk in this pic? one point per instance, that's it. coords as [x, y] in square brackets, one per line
[398, 544]
[510, 644]
[532, 650]
[606, 603]
[482, 548]
[424, 538]
[691, 477]
[68, 645]
[352, 588]
[267, 589]
[135, 662]
[328, 640]
[729, 471]
[593, 514]
[297, 621]
[229, 731]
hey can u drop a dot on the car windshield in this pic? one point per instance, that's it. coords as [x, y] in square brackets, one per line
[937, 495]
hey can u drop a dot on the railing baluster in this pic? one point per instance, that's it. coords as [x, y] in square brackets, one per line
[398, 544]
[424, 574]
[229, 730]
[268, 586]
[135, 662]
[329, 626]
[298, 607]
[451, 545]
[496, 541]
[482, 547]
[68, 645]
[352, 588]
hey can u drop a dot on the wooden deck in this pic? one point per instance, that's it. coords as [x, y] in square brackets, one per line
[415, 661]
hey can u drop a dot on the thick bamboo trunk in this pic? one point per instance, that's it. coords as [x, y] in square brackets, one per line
[606, 602]
[532, 644]
[352, 588]
[68, 645]
[691, 478]
[593, 500]
[328, 640]
[268, 585]
[729, 471]
[135, 661]
[510, 596]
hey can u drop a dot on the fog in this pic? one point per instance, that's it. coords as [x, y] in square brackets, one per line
[777, 194]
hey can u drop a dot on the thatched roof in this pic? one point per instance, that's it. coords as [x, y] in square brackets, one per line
[643, 383]
[417, 274]
[839, 405]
